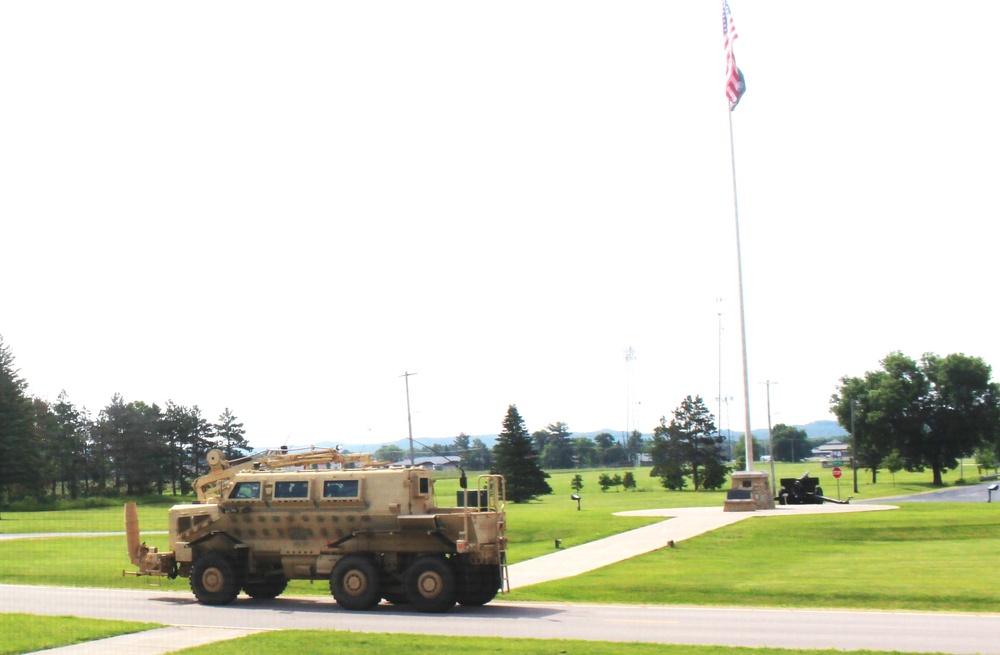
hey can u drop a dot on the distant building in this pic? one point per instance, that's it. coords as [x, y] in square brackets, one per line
[432, 462]
[831, 450]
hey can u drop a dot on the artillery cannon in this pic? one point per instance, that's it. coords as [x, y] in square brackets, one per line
[804, 490]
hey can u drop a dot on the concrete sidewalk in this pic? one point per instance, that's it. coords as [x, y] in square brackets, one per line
[152, 642]
[686, 522]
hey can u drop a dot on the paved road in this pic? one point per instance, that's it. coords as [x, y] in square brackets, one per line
[966, 493]
[907, 631]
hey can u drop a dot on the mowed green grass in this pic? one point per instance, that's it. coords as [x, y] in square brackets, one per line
[881, 559]
[316, 642]
[26, 633]
[923, 556]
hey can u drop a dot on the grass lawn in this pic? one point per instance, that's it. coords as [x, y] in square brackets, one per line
[26, 633]
[313, 642]
[923, 556]
[839, 561]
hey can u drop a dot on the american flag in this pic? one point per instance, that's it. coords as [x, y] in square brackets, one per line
[735, 84]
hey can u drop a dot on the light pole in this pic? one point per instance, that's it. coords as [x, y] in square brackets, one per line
[409, 420]
[854, 449]
[770, 442]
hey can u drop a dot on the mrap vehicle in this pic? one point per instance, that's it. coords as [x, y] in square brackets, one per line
[374, 532]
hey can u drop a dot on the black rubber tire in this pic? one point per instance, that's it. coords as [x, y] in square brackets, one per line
[396, 597]
[355, 583]
[430, 584]
[213, 579]
[482, 586]
[266, 589]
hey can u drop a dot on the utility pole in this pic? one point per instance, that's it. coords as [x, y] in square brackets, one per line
[409, 420]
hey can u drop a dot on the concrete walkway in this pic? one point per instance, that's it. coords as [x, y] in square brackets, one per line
[152, 642]
[683, 523]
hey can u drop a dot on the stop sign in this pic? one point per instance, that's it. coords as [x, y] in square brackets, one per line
[837, 472]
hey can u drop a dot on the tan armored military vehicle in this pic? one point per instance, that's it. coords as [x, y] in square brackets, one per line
[373, 532]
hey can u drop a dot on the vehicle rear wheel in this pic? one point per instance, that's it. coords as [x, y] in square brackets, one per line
[266, 589]
[355, 583]
[481, 587]
[430, 584]
[213, 580]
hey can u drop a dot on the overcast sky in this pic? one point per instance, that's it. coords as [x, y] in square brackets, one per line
[280, 208]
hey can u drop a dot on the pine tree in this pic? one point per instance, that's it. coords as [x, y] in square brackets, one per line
[689, 446]
[231, 436]
[515, 459]
[17, 441]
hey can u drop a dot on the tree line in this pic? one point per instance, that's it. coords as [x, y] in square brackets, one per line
[131, 447]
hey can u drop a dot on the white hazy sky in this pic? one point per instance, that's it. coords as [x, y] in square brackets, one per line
[280, 208]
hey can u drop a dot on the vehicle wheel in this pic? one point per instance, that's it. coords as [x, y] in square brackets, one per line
[355, 583]
[266, 589]
[430, 584]
[396, 597]
[483, 585]
[213, 580]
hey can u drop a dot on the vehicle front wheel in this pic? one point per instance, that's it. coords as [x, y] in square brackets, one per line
[430, 584]
[213, 580]
[355, 583]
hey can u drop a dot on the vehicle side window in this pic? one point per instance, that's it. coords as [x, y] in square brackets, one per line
[340, 489]
[425, 485]
[245, 491]
[299, 489]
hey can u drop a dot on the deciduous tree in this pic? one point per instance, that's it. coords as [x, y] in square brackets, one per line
[790, 444]
[932, 413]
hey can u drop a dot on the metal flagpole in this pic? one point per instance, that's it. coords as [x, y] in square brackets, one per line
[743, 325]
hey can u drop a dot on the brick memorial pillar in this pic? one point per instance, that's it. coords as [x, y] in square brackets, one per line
[750, 492]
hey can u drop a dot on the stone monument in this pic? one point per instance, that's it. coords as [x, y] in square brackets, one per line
[750, 492]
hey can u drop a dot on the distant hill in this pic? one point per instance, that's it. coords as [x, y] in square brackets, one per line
[814, 430]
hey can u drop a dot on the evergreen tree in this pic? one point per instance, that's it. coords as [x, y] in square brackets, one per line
[16, 428]
[558, 450]
[689, 446]
[515, 459]
[230, 436]
[69, 447]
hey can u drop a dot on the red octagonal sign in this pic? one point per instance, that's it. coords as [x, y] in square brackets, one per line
[837, 472]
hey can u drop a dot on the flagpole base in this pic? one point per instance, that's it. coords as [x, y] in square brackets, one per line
[750, 491]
